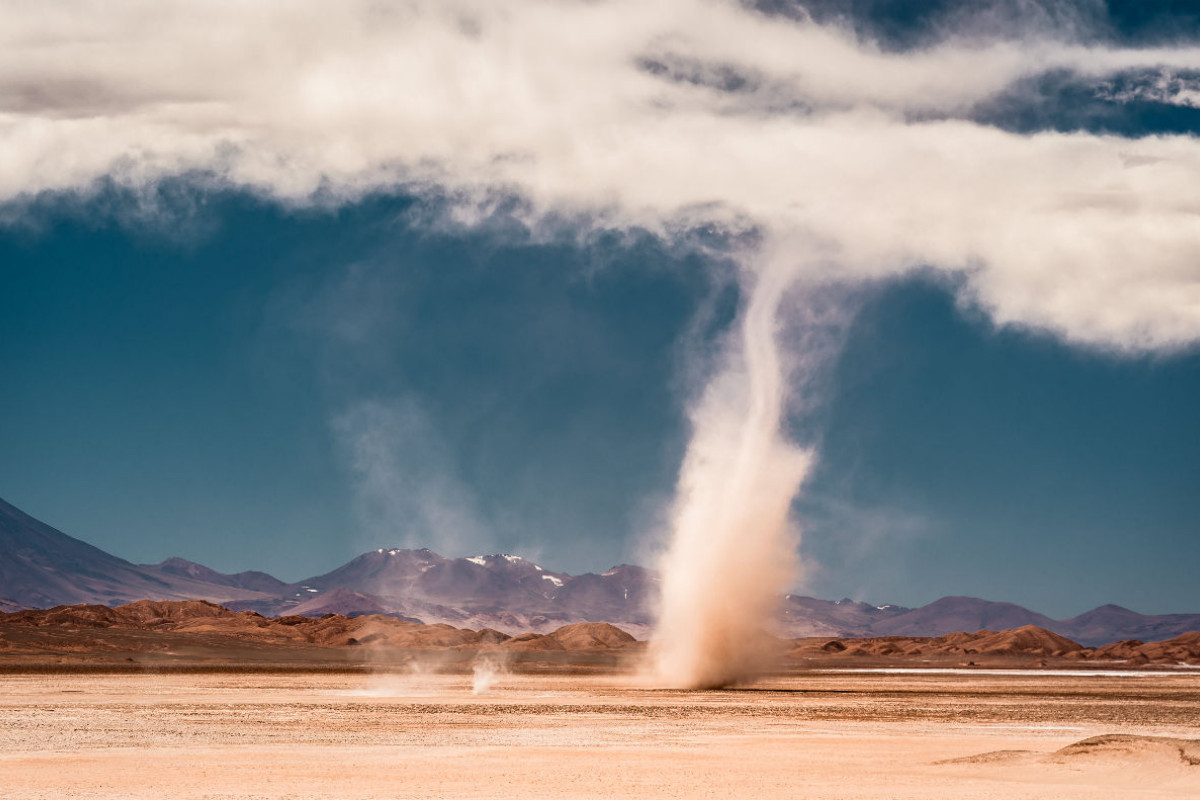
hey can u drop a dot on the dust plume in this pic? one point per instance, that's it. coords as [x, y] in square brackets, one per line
[732, 551]
[489, 667]
[405, 489]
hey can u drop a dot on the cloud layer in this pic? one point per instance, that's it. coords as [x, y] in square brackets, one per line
[855, 162]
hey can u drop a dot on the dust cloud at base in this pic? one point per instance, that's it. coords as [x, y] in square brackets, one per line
[733, 548]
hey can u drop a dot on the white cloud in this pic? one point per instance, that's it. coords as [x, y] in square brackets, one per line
[1165, 87]
[1095, 238]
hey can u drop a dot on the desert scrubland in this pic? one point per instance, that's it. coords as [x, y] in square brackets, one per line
[481, 728]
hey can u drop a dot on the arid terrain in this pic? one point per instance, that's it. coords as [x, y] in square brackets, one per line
[185, 699]
[424, 732]
[191, 700]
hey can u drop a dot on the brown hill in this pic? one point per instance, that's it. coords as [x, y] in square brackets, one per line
[76, 629]
[591, 636]
[156, 612]
[532, 642]
[1029, 640]
[1137, 750]
[578, 636]
[85, 628]
[1026, 640]
[1183, 649]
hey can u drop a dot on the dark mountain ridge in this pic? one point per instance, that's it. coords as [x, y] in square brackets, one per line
[42, 567]
[251, 579]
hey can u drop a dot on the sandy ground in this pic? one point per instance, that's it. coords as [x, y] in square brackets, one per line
[834, 734]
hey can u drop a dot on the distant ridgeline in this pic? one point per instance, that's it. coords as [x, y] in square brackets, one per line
[41, 567]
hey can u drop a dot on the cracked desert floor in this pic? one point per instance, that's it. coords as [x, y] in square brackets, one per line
[819, 734]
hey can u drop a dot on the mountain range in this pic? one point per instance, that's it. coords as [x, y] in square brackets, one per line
[42, 567]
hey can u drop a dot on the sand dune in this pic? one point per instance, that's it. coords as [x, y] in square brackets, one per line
[1110, 751]
[1133, 748]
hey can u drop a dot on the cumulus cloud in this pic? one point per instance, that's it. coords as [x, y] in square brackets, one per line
[1164, 86]
[626, 113]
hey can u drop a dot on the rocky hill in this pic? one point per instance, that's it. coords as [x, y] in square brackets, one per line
[150, 626]
[86, 627]
[1024, 642]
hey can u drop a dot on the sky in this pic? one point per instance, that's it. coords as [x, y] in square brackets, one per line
[293, 283]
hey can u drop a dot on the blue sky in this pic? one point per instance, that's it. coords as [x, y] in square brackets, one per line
[202, 358]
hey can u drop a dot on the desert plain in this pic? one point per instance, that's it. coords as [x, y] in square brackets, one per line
[473, 726]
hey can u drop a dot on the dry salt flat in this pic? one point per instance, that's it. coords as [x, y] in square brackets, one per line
[821, 735]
